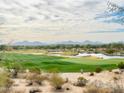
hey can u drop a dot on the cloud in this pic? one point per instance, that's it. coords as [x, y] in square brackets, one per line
[113, 31]
[56, 20]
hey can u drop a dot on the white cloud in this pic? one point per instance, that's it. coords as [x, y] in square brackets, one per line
[53, 20]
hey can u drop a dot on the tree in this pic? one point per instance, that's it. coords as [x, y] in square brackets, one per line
[121, 65]
[114, 8]
[110, 51]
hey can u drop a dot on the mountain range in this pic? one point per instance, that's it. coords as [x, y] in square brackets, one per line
[37, 43]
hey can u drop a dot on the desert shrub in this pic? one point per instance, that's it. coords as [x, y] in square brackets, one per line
[110, 70]
[118, 86]
[30, 79]
[4, 79]
[56, 81]
[53, 70]
[98, 69]
[16, 66]
[67, 88]
[91, 74]
[81, 81]
[94, 89]
[35, 79]
[121, 65]
[67, 80]
[117, 72]
[14, 73]
[115, 78]
[100, 87]
[39, 79]
[5, 82]
[15, 69]
[20, 91]
[36, 70]
[118, 90]
[35, 90]
[104, 90]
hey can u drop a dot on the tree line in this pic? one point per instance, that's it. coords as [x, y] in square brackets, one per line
[65, 46]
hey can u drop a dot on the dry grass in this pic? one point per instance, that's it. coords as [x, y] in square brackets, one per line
[5, 82]
[118, 86]
[100, 87]
[35, 79]
[81, 81]
[94, 89]
[56, 81]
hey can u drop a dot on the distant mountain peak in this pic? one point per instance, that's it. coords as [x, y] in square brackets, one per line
[29, 43]
[69, 42]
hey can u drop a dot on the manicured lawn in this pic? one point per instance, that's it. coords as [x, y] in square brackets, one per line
[62, 64]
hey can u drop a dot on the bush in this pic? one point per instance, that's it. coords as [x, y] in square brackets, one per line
[17, 66]
[19, 91]
[39, 79]
[35, 90]
[56, 81]
[5, 82]
[91, 74]
[115, 78]
[110, 70]
[53, 70]
[35, 79]
[98, 69]
[36, 70]
[118, 86]
[118, 90]
[81, 81]
[121, 65]
[15, 69]
[95, 89]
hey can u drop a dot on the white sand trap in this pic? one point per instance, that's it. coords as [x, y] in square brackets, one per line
[98, 55]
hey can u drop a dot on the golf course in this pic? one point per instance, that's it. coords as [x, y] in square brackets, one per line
[61, 64]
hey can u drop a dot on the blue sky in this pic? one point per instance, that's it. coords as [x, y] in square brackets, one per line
[60, 20]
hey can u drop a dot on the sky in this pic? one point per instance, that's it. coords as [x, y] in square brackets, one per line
[61, 20]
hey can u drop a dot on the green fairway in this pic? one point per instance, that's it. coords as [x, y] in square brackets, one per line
[62, 64]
